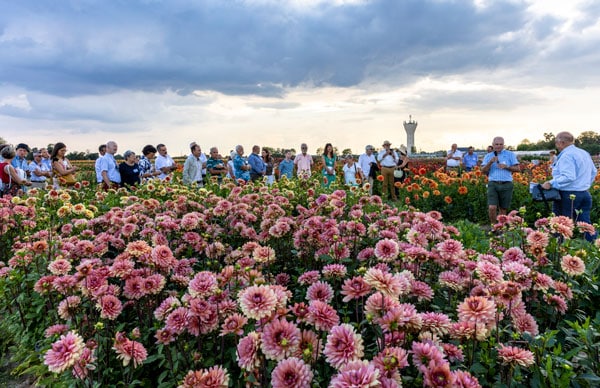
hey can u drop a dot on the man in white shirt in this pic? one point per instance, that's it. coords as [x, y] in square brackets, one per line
[39, 171]
[453, 158]
[164, 163]
[366, 162]
[101, 153]
[388, 159]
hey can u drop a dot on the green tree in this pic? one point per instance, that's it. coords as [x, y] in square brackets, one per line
[524, 145]
[346, 151]
[589, 141]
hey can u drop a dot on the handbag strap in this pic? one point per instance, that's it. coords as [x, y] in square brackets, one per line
[541, 189]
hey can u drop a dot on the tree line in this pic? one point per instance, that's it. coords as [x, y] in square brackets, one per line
[588, 140]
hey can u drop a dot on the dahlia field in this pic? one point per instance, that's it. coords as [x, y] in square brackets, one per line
[293, 285]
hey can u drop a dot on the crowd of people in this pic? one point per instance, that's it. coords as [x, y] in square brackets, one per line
[573, 170]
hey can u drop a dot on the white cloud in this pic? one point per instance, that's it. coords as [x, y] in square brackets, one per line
[283, 72]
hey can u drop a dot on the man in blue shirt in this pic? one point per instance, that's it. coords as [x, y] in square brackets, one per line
[111, 178]
[257, 165]
[286, 166]
[499, 164]
[572, 174]
[20, 160]
[470, 159]
[46, 158]
[240, 164]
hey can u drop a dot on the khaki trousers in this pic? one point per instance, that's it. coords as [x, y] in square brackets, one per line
[388, 182]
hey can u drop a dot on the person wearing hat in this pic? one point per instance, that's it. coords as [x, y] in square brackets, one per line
[368, 168]
[40, 172]
[388, 159]
[20, 160]
[20, 163]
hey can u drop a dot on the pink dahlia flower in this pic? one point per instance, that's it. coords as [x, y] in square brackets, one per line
[110, 307]
[477, 309]
[247, 351]
[203, 284]
[257, 302]
[356, 374]
[64, 353]
[572, 265]
[320, 291]
[355, 288]
[343, 345]
[386, 250]
[515, 356]
[291, 373]
[128, 351]
[280, 339]
[322, 315]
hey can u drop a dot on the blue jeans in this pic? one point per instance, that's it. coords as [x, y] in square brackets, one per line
[578, 209]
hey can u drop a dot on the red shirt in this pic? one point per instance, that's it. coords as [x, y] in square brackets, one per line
[4, 177]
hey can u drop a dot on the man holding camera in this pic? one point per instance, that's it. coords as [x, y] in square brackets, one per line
[388, 159]
[499, 164]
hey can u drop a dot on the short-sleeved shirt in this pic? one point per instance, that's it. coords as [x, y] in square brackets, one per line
[364, 162]
[470, 161]
[496, 173]
[386, 160]
[454, 162]
[212, 163]
[163, 161]
[130, 175]
[257, 164]
[303, 164]
[109, 164]
[286, 167]
[350, 173]
[238, 162]
[145, 165]
[42, 167]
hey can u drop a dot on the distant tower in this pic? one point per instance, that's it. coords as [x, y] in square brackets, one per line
[410, 127]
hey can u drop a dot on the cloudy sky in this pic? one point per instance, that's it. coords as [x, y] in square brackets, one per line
[282, 72]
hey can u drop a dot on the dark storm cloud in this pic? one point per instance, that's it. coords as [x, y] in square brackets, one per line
[234, 47]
